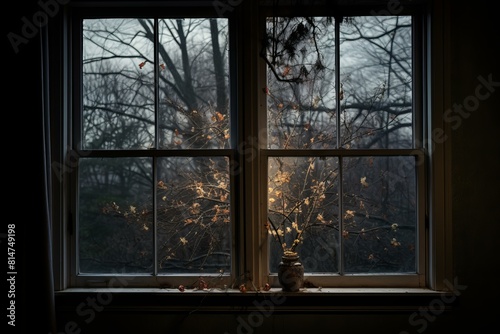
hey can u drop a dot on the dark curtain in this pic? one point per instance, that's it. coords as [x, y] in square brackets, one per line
[26, 157]
[46, 236]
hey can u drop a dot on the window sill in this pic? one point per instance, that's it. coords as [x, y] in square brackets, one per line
[314, 300]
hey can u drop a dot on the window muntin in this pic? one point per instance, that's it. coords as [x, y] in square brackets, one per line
[351, 203]
[154, 187]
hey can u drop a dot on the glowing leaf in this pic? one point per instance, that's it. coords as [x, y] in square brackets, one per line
[195, 208]
[349, 214]
[286, 71]
[395, 243]
[220, 117]
[199, 189]
[315, 102]
[363, 182]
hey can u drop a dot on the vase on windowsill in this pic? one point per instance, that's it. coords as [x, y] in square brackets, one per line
[290, 272]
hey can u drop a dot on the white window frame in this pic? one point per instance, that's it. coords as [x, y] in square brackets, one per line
[436, 268]
[76, 279]
[416, 280]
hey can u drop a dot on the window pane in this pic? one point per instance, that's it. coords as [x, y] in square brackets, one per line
[379, 218]
[303, 205]
[118, 90]
[301, 83]
[376, 79]
[193, 212]
[194, 83]
[115, 229]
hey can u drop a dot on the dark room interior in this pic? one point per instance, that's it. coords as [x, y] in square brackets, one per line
[436, 278]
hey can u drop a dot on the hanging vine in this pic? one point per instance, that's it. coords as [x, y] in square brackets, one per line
[290, 49]
[289, 45]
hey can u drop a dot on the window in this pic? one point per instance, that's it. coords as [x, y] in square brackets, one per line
[343, 154]
[154, 187]
[206, 147]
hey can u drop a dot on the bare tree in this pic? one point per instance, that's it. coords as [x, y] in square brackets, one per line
[373, 109]
[189, 108]
[119, 113]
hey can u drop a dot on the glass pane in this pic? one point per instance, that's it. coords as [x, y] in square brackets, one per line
[193, 212]
[376, 78]
[301, 83]
[380, 211]
[115, 227]
[194, 83]
[303, 211]
[118, 89]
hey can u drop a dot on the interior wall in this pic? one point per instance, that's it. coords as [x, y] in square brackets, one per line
[474, 63]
